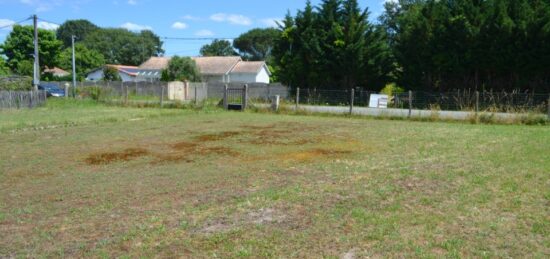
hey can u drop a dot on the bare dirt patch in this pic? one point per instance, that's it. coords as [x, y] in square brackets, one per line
[258, 217]
[112, 157]
[265, 216]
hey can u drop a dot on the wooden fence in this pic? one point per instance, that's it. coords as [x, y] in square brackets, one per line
[22, 99]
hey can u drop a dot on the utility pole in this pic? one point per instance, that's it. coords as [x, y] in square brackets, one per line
[74, 65]
[36, 75]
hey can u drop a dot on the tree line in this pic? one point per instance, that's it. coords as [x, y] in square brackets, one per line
[94, 47]
[431, 45]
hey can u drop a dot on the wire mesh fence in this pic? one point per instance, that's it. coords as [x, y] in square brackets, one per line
[22, 99]
[165, 94]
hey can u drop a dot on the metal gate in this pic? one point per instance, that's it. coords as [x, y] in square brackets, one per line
[235, 99]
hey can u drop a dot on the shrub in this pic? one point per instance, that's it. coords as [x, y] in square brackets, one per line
[15, 83]
[181, 69]
[391, 89]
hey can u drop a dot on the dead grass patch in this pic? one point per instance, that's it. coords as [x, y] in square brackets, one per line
[184, 146]
[255, 127]
[112, 157]
[309, 155]
[217, 137]
[217, 151]
[171, 158]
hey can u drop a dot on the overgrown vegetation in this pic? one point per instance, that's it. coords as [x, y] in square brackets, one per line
[15, 83]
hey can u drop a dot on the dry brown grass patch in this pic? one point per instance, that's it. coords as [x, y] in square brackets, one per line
[112, 157]
[217, 137]
[183, 146]
[313, 154]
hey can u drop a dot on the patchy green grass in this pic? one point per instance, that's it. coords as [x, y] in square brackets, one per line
[117, 182]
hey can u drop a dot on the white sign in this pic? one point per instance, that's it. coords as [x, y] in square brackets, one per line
[379, 101]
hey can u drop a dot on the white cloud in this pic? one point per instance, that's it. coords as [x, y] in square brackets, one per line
[42, 5]
[48, 26]
[204, 33]
[135, 27]
[132, 2]
[271, 22]
[191, 18]
[6, 22]
[179, 26]
[236, 19]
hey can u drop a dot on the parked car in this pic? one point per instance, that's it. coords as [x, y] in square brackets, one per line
[52, 90]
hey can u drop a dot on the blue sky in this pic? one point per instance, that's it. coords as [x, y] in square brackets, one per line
[183, 18]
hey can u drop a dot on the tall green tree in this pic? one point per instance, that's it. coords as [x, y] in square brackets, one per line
[19, 48]
[79, 28]
[181, 69]
[4, 69]
[475, 44]
[333, 46]
[257, 44]
[218, 48]
[120, 46]
[85, 59]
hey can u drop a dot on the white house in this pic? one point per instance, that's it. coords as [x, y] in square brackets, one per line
[212, 69]
[250, 72]
[126, 73]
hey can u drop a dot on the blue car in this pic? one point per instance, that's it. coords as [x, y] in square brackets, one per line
[52, 90]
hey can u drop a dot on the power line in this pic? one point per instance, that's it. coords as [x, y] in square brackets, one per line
[198, 39]
[58, 24]
[10, 25]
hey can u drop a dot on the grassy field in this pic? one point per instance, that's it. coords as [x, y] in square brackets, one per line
[85, 180]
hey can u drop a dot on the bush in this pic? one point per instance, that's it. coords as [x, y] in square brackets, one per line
[15, 83]
[391, 89]
[181, 69]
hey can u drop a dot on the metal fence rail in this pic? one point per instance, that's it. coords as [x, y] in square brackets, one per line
[162, 93]
[22, 99]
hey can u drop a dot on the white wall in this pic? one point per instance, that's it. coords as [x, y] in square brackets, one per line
[95, 76]
[98, 75]
[261, 77]
[125, 77]
[243, 78]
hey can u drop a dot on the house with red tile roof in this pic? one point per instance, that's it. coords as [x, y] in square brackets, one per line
[126, 73]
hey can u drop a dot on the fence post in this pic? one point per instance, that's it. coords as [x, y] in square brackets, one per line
[477, 102]
[195, 93]
[225, 104]
[66, 90]
[74, 90]
[161, 96]
[351, 101]
[125, 94]
[30, 99]
[245, 97]
[297, 98]
[410, 103]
